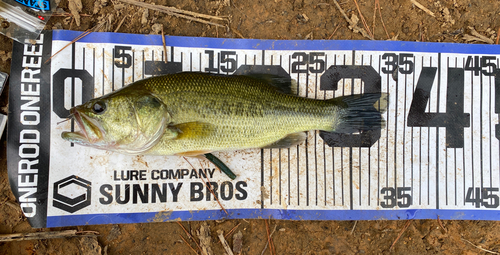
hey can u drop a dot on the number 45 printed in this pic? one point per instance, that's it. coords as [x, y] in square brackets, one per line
[454, 119]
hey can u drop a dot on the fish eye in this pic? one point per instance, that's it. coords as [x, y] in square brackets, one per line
[99, 107]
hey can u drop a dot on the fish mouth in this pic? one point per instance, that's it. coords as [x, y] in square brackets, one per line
[82, 135]
[78, 119]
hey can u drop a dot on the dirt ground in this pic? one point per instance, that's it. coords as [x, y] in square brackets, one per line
[278, 19]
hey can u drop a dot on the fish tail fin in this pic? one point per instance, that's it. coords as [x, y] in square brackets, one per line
[362, 112]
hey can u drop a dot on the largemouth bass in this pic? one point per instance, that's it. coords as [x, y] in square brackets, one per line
[190, 114]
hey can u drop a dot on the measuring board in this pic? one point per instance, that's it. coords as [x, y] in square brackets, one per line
[438, 155]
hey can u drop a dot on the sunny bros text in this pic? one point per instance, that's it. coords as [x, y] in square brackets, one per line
[161, 192]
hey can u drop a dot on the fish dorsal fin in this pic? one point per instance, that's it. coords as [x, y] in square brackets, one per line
[288, 141]
[193, 130]
[282, 84]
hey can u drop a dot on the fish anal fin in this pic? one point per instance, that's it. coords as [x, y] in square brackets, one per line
[193, 153]
[288, 141]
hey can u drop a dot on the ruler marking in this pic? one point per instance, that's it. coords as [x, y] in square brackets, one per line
[455, 161]
[463, 155]
[324, 147]
[351, 177]
[455, 156]
[359, 176]
[333, 149]
[261, 178]
[279, 149]
[218, 62]
[307, 141]
[271, 191]
[404, 131]
[489, 135]
[411, 135]
[420, 158]
[342, 148]
[271, 176]
[378, 144]
[202, 60]
[342, 172]
[438, 106]
[172, 54]
[429, 141]
[123, 75]
[298, 151]
[396, 132]
[333, 178]
[472, 129]
[316, 164]
[153, 57]
[316, 140]
[481, 129]
[369, 156]
[446, 149]
[237, 57]
[279, 169]
[261, 159]
[113, 70]
[359, 148]
[387, 137]
[289, 170]
[428, 153]
[324, 174]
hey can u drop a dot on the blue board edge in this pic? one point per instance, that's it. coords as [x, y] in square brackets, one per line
[257, 44]
[416, 214]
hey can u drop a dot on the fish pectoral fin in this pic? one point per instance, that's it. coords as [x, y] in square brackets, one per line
[194, 130]
[170, 133]
[193, 153]
[289, 141]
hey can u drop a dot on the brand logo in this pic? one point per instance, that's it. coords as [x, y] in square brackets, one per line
[72, 194]
[43, 5]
